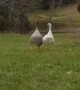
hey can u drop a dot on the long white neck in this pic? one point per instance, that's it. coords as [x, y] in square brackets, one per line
[50, 29]
[36, 29]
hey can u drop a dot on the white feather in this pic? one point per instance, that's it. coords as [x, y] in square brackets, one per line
[36, 38]
[36, 33]
[48, 38]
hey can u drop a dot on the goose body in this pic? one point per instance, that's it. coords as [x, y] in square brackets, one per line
[49, 38]
[36, 38]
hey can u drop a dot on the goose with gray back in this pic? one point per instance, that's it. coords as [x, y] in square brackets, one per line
[36, 37]
[49, 38]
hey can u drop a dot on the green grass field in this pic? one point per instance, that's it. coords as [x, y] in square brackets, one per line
[55, 68]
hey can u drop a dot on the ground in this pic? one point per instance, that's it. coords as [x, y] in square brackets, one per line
[50, 68]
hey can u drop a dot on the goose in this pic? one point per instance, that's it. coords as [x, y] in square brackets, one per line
[49, 38]
[36, 37]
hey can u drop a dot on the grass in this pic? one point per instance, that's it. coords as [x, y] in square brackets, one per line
[55, 68]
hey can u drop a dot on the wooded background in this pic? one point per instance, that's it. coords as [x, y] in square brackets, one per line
[14, 13]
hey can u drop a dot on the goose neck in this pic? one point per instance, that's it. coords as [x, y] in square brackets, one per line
[49, 28]
[37, 29]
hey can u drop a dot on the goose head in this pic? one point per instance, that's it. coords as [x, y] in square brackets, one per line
[49, 25]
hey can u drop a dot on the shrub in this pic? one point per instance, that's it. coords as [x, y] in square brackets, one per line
[3, 24]
[78, 7]
[68, 1]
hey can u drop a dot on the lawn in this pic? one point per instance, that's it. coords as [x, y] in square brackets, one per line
[50, 68]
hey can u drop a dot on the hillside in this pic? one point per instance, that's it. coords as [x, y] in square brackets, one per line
[65, 19]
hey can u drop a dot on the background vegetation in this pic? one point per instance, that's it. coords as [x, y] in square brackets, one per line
[14, 13]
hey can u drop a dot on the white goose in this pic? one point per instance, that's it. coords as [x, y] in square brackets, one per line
[36, 38]
[49, 38]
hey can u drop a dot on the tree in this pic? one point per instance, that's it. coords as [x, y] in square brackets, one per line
[68, 1]
[17, 9]
[78, 7]
[3, 17]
